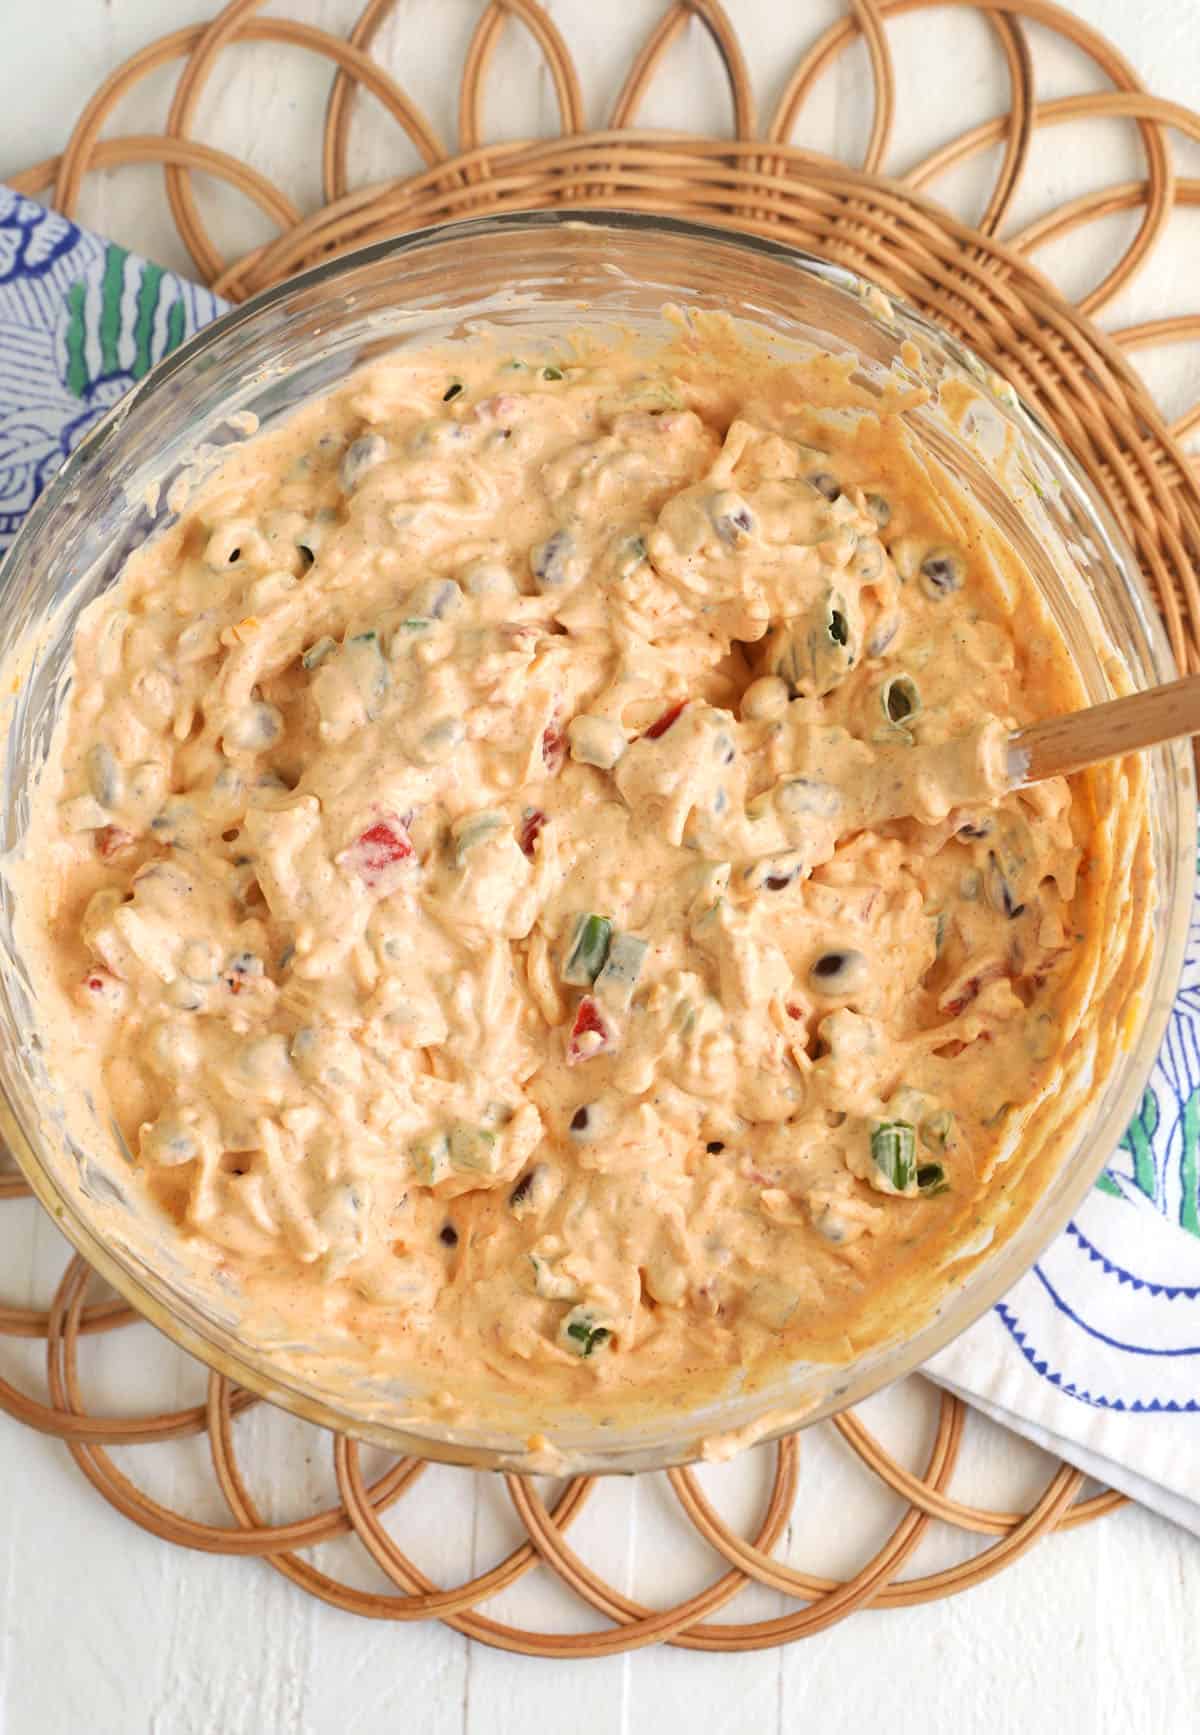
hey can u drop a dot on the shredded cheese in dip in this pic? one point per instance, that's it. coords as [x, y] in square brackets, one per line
[526, 861]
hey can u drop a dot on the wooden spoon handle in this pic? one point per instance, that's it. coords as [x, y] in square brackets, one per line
[1061, 745]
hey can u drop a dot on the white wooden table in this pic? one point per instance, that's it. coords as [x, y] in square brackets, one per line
[105, 1630]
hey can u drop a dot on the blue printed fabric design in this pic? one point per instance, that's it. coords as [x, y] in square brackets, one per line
[1157, 1158]
[81, 320]
[1110, 1315]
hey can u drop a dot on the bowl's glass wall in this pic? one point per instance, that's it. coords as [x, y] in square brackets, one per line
[542, 275]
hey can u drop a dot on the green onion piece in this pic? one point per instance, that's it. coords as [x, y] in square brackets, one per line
[812, 652]
[430, 1158]
[473, 1149]
[939, 932]
[622, 967]
[585, 958]
[552, 373]
[900, 699]
[894, 1151]
[581, 1333]
[472, 830]
[452, 391]
[931, 1179]
[317, 653]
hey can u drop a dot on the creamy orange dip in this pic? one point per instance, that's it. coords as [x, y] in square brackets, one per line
[526, 863]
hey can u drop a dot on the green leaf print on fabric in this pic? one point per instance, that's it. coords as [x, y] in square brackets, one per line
[121, 318]
[1189, 1207]
[1139, 1142]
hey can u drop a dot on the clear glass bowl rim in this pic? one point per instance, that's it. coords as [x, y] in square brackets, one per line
[253, 1372]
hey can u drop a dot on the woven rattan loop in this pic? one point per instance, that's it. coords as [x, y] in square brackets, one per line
[931, 1500]
[410, 1579]
[649, 58]
[181, 153]
[479, 55]
[63, 1379]
[335, 141]
[983, 289]
[640, 1626]
[1065, 24]
[64, 1422]
[418, 1604]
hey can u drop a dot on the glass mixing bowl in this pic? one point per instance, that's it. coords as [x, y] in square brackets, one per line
[545, 275]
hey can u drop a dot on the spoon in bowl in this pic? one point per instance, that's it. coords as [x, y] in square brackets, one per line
[1060, 745]
[927, 781]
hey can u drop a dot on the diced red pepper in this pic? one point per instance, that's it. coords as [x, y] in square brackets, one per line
[101, 988]
[590, 1023]
[531, 830]
[111, 840]
[973, 986]
[663, 723]
[554, 747]
[794, 1011]
[380, 847]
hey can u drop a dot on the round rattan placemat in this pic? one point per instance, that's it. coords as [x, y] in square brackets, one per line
[986, 290]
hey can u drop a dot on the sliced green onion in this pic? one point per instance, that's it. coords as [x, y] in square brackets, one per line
[430, 1158]
[582, 1333]
[552, 373]
[317, 653]
[811, 653]
[588, 950]
[622, 967]
[900, 699]
[414, 626]
[473, 1149]
[931, 1179]
[894, 1152]
[472, 830]
[452, 391]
